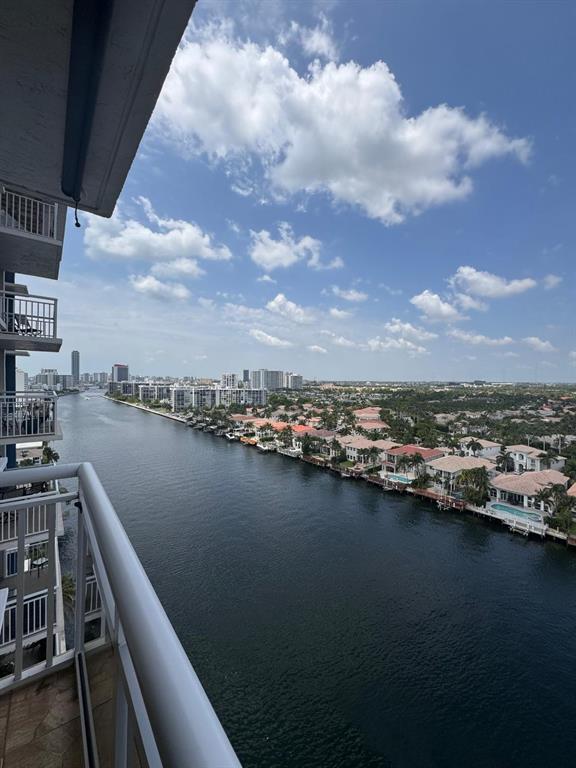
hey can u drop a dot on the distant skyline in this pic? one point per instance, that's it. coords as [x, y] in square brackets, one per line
[351, 191]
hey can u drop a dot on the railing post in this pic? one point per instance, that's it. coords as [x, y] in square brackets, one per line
[50, 607]
[20, 565]
[80, 602]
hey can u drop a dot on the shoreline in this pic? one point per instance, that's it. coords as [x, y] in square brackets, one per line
[551, 534]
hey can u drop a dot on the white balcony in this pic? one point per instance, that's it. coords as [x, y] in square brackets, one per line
[152, 709]
[31, 234]
[28, 323]
[28, 216]
[26, 417]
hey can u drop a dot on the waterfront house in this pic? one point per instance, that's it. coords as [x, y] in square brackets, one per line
[521, 489]
[488, 448]
[446, 470]
[526, 458]
[392, 455]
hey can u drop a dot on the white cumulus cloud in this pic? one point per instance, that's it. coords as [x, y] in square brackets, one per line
[178, 267]
[385, 345]
[339, 314]
[317, 349]
[280, 305]
[478, 339]
[349, 294]
[341, 129]
[434, 308]
[125, 238]
[268, 340]
[407, 330]
[274, 253]
[539, 345]
[488, 285]
[551, 281]
[151, 286]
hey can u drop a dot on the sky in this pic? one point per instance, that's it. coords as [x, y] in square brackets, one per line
[365, 190]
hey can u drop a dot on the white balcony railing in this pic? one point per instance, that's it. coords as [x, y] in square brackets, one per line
[30, 316]
[28, 216]
[160, 703]
[28, 414]
[36, 522]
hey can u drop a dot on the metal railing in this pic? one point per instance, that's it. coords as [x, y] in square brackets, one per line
[28, 216]
[160, 702]
[36, 522]
[33, 316]
[28, 414]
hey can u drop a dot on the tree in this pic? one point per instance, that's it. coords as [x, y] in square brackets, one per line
[415, 462]
[558, 505]
[504, 460]
[49, 455]
[475, 447]
[286, 436]
[475, 485]
[68, 593]
[307, 445]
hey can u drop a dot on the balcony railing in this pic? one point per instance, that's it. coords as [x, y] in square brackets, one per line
[28, 216]
[30, 316]
[160, 703]
[36, 517]
[28, 414]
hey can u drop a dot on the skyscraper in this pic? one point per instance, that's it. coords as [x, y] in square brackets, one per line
[75, 366]
[120, 372]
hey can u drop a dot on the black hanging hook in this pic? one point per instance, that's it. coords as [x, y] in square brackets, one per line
[76, 221]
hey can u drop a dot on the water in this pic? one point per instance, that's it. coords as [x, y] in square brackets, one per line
[333, 624]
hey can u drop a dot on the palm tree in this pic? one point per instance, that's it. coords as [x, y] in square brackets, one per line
[402, 463]
[49, 455]
[474, 446]
[503, 460]
[475, 484]
[286, 436]
[415, 462]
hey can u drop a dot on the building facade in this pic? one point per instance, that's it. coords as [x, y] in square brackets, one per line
[75, 366]
[120, 372]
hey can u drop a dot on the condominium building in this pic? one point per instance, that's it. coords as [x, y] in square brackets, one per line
[241, 396]
[75, 366]
[266, 379]
[229, 380]
[150, 392]
[293, 381]
[120, 372]
[80, 84]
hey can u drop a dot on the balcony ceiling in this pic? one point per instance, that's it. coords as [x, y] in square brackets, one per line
[81, 124]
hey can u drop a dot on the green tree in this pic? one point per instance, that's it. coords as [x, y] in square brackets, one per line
[49, 455]
[475, 485]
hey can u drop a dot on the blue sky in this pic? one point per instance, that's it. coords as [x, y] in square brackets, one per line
[360, 190]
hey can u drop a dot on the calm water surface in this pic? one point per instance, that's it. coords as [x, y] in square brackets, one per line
[334, 625]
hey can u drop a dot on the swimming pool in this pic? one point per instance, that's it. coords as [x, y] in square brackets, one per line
[398, 478]
[517, 511]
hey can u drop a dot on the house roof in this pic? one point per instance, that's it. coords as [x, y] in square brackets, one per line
[374, 424]
[454, 464]
[572, 490]
[529, 483]
[408, 450]
[367, 413]
[483, 443]
[527, 449]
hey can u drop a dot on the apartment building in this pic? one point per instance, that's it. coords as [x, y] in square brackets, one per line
[79, 86]
[29, 562]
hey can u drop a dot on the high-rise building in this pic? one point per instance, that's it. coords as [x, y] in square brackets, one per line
[246, 376]
[120, 372]
[75, 366]
[229, 380]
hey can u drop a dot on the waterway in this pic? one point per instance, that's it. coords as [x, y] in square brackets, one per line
[333, 624]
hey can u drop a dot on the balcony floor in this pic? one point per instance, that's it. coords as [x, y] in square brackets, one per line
[40, 723]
